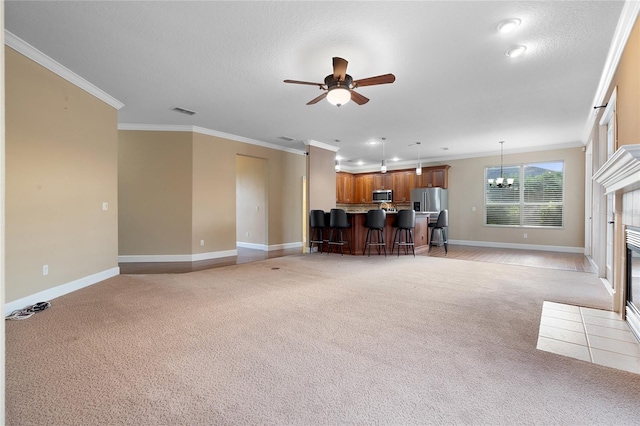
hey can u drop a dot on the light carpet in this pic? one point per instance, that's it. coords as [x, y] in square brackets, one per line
[313, 339]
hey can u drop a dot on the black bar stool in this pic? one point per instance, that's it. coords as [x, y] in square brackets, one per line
[375, 222]
[404, 224]
[339, 222]
[440, 225]
[318, 225]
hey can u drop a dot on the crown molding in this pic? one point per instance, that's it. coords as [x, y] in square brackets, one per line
[21, 46]
[311, 142]
[628, 18]
[204, 131]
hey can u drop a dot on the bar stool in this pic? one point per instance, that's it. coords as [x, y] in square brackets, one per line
[404, 224]
[375, 222]
[440, 225]
[318, 225]
[339, 222]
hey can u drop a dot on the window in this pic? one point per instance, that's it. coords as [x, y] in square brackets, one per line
[536, 198]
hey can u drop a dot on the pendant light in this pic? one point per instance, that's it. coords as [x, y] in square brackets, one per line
[499, 182]
[419, 166]
[383, 166]
[337, 161]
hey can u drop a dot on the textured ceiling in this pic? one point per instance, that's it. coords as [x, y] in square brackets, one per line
[455, 88]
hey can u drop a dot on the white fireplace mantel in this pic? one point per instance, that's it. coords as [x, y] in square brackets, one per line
[621, 171]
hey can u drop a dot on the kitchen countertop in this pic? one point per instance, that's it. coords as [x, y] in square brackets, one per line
[388, 212]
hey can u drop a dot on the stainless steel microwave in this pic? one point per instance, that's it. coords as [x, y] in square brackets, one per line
[382, 196]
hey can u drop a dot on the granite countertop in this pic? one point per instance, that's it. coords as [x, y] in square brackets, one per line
[360, 211]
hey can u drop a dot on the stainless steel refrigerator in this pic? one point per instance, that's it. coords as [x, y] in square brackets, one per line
[429, 200]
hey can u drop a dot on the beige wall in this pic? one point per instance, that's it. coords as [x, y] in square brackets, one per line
[322, 179]
[61, 165]
[201, 204]
[627, 79]
[214, 195]
[466, 190]
[154, 192]
[251, 187]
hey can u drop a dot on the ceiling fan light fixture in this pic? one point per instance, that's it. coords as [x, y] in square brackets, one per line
[338, 96]
[508, 25]
[516, 51]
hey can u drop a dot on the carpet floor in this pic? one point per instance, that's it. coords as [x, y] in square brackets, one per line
[311, 339]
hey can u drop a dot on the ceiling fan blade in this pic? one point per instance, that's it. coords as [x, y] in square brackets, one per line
[372, 81]
[358, 98]
[305, 82]
[318, 99]
[339, 68]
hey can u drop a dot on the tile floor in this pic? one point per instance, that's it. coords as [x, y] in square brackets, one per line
[592, 335]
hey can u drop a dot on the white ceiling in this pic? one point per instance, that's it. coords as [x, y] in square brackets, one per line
[455, 88]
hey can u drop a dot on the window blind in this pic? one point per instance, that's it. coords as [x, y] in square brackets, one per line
[536, 198]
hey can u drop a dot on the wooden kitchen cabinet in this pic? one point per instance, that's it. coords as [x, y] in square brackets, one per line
[363, 188]
[403, 183]
[382, 181]
[344, 187]
[434, 177]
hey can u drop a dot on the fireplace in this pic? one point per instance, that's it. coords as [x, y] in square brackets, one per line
[633, 279]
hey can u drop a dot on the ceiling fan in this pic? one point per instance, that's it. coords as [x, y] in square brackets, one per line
[339, 86]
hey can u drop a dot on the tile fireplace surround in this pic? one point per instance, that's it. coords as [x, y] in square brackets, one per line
[620, 176]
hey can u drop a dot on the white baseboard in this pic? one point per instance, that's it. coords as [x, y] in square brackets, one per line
[60, 290]
[607, 285]
[285, 246]
[562, 249]
[253, 246]
[176, 257]
[593, 263]
[265, 247]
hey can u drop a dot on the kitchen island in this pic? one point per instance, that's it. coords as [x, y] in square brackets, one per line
[358, 232]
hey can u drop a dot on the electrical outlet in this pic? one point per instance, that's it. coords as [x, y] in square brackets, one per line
[247, 234]
[257, 208]
[202, 242]
[45, 269]
[473, 209]
[525, 235]
[105, 206]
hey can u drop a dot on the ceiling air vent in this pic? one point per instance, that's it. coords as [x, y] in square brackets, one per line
[286, 138]
[184, 111]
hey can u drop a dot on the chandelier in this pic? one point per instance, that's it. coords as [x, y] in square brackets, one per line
[500, 182]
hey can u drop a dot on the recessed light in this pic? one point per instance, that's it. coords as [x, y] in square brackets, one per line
[360, 163]
[516, 51]
[508, 25]
[395, 159]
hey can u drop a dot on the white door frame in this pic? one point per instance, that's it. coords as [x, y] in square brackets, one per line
[588, 201]
[609, 135]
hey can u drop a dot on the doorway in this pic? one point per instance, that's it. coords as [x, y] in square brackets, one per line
[251, 203]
